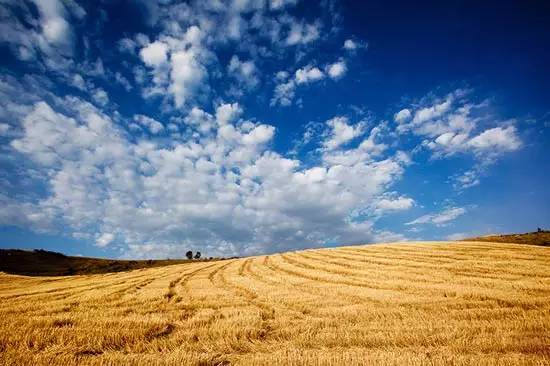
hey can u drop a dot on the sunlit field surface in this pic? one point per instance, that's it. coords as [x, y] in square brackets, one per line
[421, 303]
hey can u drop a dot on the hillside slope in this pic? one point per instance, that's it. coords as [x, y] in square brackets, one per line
[419, 303]
[45, 263]
[533, 238]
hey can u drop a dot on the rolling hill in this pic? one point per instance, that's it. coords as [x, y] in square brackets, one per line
[45, 263]
[541, 237]
[391, 304]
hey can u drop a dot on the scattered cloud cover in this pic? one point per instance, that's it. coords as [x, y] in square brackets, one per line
[440, 218]
[210, 126]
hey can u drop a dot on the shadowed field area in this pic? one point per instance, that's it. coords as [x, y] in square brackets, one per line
[45, 263]
[534, 238]
[455, 303]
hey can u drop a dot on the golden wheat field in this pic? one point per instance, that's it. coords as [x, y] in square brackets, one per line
[390, 304]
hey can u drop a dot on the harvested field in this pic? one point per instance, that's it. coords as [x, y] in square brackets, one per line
[389, 304]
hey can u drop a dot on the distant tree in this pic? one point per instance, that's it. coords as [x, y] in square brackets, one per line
[539, 230]
[189, 254]
[197, 255]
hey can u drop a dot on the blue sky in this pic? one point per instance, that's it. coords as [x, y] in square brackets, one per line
[144, 129]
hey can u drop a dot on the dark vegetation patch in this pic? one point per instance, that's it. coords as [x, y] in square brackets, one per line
[159, 331]
[60, 323]
[45, 263]
[540, 237]
[88, 352]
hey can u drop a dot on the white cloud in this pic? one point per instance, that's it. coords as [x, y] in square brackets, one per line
[496, 139]
[342, 132]
[154, 54]
[104, 239]
[55, 28]
[244, 71]
[280, 4]
[308, 74]
[454, 125]
[186, 75]
[393, 204]
[228, 113]
[466, 180]
[100, 96]
[223, 193]
[369, 149]
[337, 70]
[301, 33]
[285, 89]
[151, 124]
[402, 116]
[44, 36]
[284, 93]
[440, 218]
[78, 82]
[200, 119]
[428, 113]
[352, 45]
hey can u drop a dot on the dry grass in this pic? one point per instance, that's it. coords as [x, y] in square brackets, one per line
[534, 238]
[422, 304]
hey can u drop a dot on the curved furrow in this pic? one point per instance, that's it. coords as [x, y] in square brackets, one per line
[424, 289]
[67, 291]
[420, 261]
[366, 267]
[319, 293]
[489, 250]
[364, 256]
[355, 279]
[187, 278]
[441, 276]
[248, 295]
[292, 298]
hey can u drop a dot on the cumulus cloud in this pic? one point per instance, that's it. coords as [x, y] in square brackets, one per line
[151, 124]
[225, 193]
[393, 204]
[245, 72]
[285, 88]
[497, 138]
[154, 54]
[284, 93]
[402, 116]
[440, 218]
[280, 4]
[302, 33]
[47, 32]
[351, 45]
[206, 175]
[308, 74]
[100, 96]
[186, 76]
[337, 70]
[456, 125]
[104, 239]
[467, 179]
[342, 132]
